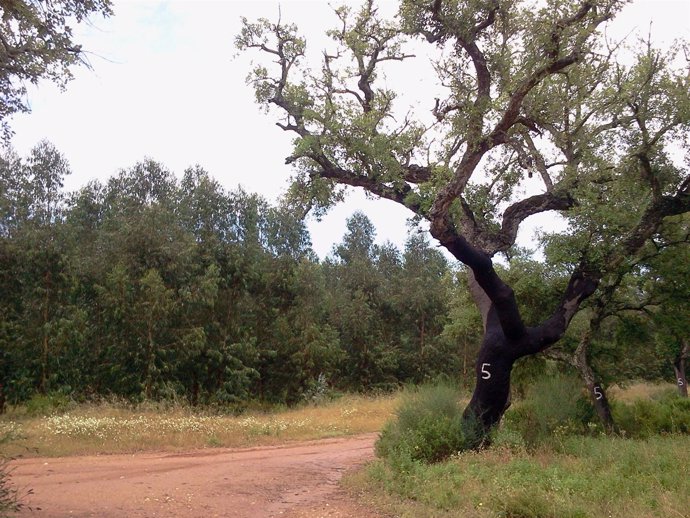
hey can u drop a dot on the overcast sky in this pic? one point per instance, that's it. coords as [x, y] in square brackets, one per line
[166, 84]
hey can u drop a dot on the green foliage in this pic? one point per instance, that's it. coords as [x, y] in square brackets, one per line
[554, 405]
[578, 477]
[427, 427]
[48, 404]
[147, 287]
[38, 44]
[644, 418]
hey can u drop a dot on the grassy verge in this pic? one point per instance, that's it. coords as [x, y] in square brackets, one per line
[548, 459]
[98, 429]
[581, 477]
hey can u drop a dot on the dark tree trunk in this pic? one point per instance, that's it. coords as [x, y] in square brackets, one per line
[491, 397]
[500, 350]
[679, 369]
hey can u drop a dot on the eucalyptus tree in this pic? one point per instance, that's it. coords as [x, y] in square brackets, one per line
[355, 287]
[423, 302]
[533, 110]
[31, 240]
[37, 42]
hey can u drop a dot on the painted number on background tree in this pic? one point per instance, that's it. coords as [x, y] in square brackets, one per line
[485, 372]
[597, 393]
[680, 382]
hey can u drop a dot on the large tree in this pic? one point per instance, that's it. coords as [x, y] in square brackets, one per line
[531, 97]
[36, 42]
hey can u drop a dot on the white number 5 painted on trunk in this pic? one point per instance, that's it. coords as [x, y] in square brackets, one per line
[485, 373]
[597, 393]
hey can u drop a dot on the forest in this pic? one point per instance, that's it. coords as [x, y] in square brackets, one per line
[154, 286]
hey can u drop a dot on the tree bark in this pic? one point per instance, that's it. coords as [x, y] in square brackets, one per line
[491, 396]
[679, 369]
[506, 339]
[596, 391]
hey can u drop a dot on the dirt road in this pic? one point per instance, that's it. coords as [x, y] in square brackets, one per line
[296, 480]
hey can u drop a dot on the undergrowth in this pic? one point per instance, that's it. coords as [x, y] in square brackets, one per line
[427, 426]
[549, 459]
[10, 501]
[579, 477]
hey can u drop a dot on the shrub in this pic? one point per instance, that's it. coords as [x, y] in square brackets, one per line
[9, 496]
[427, 427]
[668, 414]
[554, 405]
[47, 404]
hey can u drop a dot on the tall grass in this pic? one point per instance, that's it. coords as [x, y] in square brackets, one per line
[550, 461]
[584, 477]
[9, 495]
[114, 428]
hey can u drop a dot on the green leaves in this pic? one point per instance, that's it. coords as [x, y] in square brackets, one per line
[37, 44]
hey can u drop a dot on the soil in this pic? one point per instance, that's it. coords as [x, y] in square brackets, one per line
[298, 480]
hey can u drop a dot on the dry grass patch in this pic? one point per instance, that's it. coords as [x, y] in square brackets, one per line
[641, 390]
[115, 429]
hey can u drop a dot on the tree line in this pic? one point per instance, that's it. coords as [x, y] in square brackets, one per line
[152, 287]
[147, 286]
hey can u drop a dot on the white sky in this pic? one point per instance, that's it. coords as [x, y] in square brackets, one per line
[166, 84]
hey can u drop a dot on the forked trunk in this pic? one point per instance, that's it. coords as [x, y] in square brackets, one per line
[506, 340]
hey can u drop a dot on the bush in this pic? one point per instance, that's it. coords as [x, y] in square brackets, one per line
[428, 427]
[9, 496]
[554, 405]
[9, 501]
[48, 404]
[669, 414]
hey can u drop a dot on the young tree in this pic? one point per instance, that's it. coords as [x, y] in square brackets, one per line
[532, 98]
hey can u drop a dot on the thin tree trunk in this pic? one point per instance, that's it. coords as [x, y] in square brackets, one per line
[45, 343]
[148, 373]
[594, 388]
[679, 369]
[422, 337]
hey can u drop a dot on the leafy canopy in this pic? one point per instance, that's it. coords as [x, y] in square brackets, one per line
[36, 42]
[531, 108]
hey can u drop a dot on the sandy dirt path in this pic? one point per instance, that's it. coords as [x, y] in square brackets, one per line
[295, 480]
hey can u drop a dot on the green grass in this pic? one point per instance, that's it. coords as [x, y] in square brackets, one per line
[548, 460]
[580, 477]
